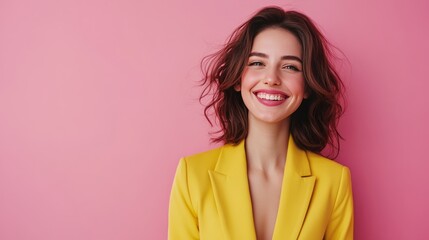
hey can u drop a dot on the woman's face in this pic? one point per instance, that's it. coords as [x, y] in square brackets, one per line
[272, 84]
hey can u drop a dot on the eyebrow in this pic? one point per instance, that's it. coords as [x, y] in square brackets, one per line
[286, 57]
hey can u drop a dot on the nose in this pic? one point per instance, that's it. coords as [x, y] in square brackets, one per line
[271, 78]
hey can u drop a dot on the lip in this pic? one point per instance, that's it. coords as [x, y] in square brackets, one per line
[271, 103]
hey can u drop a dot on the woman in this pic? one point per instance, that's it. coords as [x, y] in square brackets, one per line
[276, 96]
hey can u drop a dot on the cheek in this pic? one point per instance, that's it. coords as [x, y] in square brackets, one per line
[249, 77]
[245, 80]
[297, 86]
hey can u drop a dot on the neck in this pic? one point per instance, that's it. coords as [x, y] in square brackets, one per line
[266, 144]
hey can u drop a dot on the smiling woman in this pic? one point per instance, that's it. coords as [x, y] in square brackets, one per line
[277, 98]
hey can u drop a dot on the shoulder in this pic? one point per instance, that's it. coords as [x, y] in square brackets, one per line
[323, 163]
[192, 173]
[327, 170]
[203, 160]
[196, 166]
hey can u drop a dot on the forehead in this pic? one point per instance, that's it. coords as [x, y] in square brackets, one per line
[277, 41]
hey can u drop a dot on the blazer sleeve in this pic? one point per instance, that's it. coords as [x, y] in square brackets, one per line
[182, 218]
[341, 223]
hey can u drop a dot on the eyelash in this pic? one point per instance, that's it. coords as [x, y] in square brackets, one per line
[289, 67]
[256, 64]
[292, 67]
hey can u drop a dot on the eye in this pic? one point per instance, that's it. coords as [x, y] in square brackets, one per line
[256, 63]
[291, 67]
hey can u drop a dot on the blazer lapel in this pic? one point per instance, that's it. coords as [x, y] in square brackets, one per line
[232, 196]
[231, 192]
[297, 189]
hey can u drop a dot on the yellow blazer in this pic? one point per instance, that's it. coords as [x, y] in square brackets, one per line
[210, 198]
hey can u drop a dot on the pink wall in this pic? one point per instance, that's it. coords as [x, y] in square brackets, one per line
[97, 104]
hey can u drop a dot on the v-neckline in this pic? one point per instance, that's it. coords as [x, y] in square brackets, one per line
[279, 200]
[233, 201]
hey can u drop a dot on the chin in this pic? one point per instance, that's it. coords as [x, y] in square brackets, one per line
[271, 119]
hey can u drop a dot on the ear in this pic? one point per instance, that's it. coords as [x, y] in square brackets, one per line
[307, 91]
[237, 87]
[306, 94]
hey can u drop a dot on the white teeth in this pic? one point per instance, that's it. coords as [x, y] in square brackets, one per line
[271, 97]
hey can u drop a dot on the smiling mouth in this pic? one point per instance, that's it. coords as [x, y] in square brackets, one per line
[270, 96]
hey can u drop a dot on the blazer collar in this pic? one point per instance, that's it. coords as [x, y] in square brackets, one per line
[232, 196]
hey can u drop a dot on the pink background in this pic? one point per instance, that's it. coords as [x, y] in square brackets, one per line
[98, 102]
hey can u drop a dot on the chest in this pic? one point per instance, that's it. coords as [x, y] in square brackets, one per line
[265, 193]
[229, 207]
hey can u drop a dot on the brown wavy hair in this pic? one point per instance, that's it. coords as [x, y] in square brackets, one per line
[314, 123]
